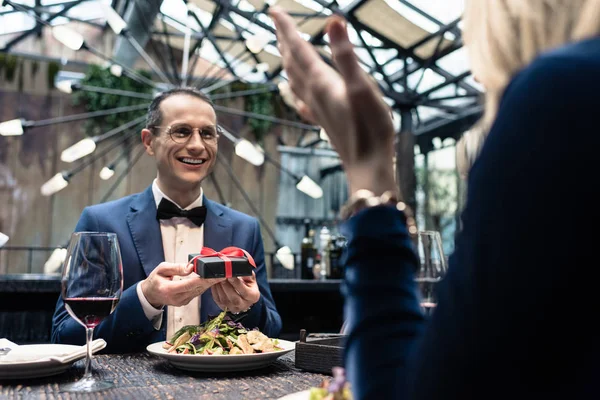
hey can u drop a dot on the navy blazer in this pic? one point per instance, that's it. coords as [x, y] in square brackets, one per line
[133, 219]
[516, 314]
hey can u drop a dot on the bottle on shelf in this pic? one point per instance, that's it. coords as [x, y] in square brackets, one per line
[308, 254]
[317, 267]
[336, 269]
[324, 237]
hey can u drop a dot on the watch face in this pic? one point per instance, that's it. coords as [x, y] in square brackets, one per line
[241, 312]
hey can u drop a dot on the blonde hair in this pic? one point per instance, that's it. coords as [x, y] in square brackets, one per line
[504, 36]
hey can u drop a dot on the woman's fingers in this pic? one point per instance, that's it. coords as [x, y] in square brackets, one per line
[358, 82]
[291, 45]
[343, 51]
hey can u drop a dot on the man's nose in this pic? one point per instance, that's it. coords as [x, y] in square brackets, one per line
[196, 141]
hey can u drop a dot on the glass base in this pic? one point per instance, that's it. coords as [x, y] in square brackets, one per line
[87, 386]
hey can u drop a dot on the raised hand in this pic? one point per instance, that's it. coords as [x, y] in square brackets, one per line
[348, 105]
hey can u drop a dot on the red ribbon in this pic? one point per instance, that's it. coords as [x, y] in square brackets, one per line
[224, 255]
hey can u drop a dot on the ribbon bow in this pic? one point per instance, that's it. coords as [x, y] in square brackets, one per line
[224, 255]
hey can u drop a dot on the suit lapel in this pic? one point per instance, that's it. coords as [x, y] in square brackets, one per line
[145, 231]
[218, 232]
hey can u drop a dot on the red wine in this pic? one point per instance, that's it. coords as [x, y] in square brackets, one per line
[91, 310]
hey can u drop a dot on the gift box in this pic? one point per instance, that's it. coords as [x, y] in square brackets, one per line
[227, 263]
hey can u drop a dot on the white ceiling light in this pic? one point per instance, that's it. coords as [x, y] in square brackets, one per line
[68, 37]
[55, 184]
[3, 239]
[55, 261]
[14, 127]
[113, 18]
[116, 70]
[78, 150]
[256, 43]
[285, 257]
[249, 152]
[245, 149]
[262, 67]
[309, 187]
[106, 173]
[65, 86]
[323, 135]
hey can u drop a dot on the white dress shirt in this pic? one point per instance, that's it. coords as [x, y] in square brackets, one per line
[180, 237]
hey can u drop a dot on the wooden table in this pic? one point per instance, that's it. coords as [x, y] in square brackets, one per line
[143, 376]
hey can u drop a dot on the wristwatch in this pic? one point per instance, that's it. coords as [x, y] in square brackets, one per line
[241, 312]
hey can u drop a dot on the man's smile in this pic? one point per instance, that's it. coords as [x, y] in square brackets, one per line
[192, 160]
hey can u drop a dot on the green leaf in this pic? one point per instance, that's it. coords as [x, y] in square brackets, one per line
[191, 329]
[100, 77]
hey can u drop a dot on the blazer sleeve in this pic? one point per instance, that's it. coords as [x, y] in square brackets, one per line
[263, 314]
[382, 308]
[127, 329]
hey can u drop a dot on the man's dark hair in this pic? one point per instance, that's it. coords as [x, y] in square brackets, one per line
[154, 117]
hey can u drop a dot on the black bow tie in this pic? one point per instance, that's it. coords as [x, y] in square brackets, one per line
[168, 210]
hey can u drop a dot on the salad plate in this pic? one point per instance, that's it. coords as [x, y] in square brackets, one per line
[221, 363]
[303, 395]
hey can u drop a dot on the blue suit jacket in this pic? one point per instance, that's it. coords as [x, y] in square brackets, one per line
[516, 312]
[133, 219]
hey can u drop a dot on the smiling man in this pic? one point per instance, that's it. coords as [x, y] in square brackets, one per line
[161, 294]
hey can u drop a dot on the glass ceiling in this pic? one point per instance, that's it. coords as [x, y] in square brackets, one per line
[389, 36]
[12, 22]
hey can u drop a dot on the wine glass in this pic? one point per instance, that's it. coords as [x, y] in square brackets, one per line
[92, 283]
[432, 269]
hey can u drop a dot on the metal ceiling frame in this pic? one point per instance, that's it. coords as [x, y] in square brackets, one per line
[394, 85]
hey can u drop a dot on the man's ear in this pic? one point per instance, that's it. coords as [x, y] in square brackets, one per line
[147, 139]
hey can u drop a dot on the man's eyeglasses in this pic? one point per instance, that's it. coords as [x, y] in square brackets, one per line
[181, 133]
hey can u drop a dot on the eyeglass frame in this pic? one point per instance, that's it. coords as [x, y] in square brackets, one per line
[168, 130]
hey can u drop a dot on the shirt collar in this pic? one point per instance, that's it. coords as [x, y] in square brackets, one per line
[159, 195]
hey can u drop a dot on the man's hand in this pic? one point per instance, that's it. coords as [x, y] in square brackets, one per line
[236, 294]
[160, 289]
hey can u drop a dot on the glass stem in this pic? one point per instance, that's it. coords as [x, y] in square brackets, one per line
[88, 360]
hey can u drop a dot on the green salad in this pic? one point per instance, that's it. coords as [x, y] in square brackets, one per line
[220, 336]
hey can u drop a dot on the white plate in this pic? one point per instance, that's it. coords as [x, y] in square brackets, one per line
[303, 395]
[53, 359]
[217, 363]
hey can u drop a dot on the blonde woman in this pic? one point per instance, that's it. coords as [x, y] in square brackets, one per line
[515, 317]
[505, 36]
